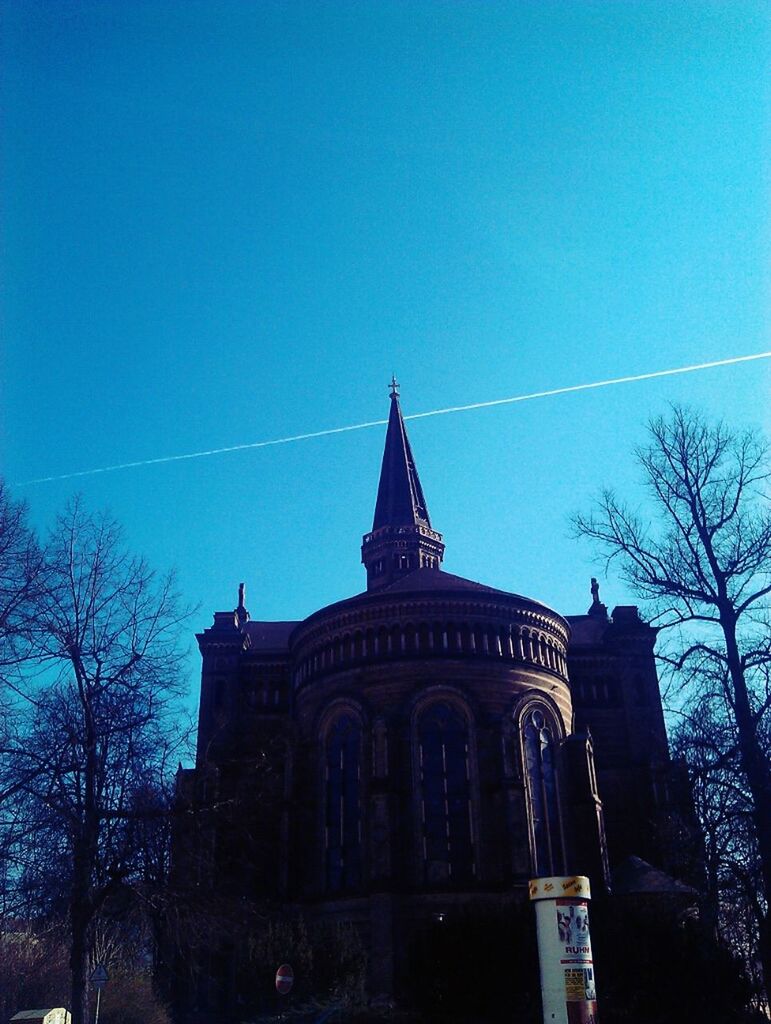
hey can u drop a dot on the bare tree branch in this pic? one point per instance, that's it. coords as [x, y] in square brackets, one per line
[700, 556]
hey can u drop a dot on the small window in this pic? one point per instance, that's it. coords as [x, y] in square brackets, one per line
[343, 812]
[219, 693]
[640, 690]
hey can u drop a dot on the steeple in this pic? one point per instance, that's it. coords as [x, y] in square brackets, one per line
[400, 500]
[401, 539]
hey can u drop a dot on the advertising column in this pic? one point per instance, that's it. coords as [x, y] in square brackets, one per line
[565, 949]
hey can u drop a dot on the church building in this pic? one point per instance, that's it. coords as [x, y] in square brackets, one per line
[427, 744]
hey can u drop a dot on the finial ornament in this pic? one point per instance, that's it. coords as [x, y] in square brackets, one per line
[597, 607]
[242, 615]
[394, 386]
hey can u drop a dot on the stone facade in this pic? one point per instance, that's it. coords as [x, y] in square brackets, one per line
[428, 743]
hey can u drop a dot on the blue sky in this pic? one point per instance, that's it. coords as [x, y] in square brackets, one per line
[227, 222]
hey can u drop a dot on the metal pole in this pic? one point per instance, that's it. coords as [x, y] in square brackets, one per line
[98, 997]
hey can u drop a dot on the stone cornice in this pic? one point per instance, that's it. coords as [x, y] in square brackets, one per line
[435, 606]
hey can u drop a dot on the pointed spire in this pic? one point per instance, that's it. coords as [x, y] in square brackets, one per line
[400, 500]
[401, 539]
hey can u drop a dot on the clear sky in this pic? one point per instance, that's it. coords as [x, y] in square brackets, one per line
[225, 222]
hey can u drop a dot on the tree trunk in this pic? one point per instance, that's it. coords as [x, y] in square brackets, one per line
[758, 776]
[79, 931]
[85, 847]
[711, 905]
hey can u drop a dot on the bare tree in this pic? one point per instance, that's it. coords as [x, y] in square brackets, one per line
[98, 729]
[703, 560]
[704, 737]
[33, 966]
[22, 578]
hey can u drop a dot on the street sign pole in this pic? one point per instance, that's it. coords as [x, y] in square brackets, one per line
[99, 978]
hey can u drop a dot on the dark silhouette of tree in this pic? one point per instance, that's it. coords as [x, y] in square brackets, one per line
[704, 737]
[80, 765]
[22, 578]
[33, 966]
[34, 969]
[656, 966]
[702, 558]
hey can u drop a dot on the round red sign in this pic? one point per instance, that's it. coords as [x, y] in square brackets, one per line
[284, 979]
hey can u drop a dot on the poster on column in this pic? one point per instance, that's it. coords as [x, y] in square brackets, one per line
[576, 960]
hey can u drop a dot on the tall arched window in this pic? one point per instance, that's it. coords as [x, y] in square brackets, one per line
[540, 749]
[343, 806]
[443, 745]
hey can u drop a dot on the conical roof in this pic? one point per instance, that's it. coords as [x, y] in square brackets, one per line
[400, 499]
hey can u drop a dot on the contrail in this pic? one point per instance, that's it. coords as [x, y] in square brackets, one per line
[412, 416]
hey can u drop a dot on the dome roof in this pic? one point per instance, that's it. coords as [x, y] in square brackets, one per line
[427, 584]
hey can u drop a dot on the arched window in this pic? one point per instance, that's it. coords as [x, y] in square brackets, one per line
[540, 748]
[443, 745]
[343, 809]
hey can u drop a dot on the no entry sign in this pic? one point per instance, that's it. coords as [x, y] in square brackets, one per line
[284, 979]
